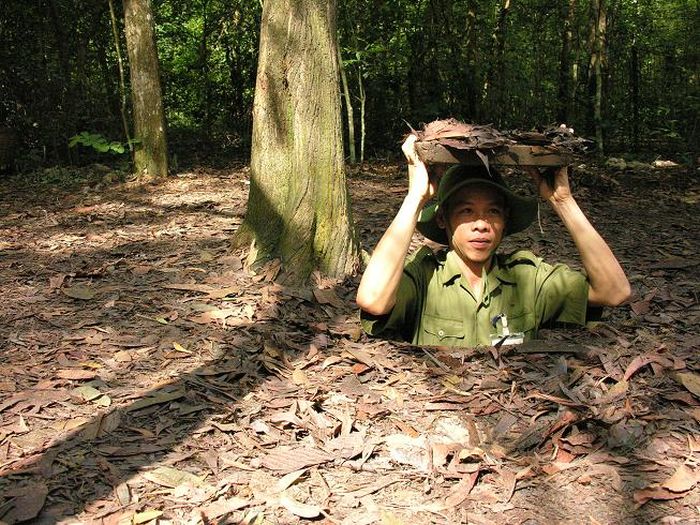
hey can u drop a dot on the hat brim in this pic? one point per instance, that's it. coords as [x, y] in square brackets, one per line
[521, 211]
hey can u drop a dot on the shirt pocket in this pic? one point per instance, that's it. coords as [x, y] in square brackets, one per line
[442, 331]
[521, 321]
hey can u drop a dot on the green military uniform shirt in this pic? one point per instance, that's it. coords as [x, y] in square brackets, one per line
[436, 306]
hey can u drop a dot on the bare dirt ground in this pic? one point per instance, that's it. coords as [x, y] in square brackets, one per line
[148, 377]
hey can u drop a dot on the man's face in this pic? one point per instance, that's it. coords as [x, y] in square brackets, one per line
[477, 221]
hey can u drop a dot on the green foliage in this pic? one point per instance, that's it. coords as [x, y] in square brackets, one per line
[417, 61]
[99, 143]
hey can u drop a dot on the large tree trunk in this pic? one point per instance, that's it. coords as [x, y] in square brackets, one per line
[151, 153]
[298, 208]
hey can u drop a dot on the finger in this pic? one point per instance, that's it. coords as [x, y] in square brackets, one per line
[409, 148]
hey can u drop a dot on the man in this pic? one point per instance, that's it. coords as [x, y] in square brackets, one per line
[468, 295]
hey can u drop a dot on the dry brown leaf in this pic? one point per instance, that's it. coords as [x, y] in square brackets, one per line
[123, 494]
[178, 347]
[409, 451]
[616, 391]
[189, 287]
[172, 477]
[56, 281]
[87, 392]
[690, 381]
[27, 502]
[123, 356]
[223, 292]
[327, 296]
[79, 292]
[555, 467]
[233, 262]
[508, 482]
[146, 516]
[214, 315]
[101, 425]
[642, 360]
[300, 378]
[70, 424]
[288, 480]
[675, 263]
[157, 399]
[76, 374]
[644, 495]
[347, 446]
[361, 356]
[224, 506]
[461, 491]
[331, 360]
[389, 519]
[303, 510]
[682, 480]
[141, 269]
[206, 256]
[287, 460]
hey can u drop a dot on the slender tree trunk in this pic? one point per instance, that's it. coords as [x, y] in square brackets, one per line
[635, 75]
[122, 83]
[66, 86]
[298, 206]
[565, 74]
[599, 21]
[494, 90]
[471, 70]
[348, 109]
[108, 78]
[63, 52]
[204, 68]
[363, 113]
[151, 152]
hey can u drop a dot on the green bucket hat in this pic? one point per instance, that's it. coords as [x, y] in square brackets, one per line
[521, 210]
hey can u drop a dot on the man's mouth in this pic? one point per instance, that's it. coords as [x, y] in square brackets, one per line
[480, 243]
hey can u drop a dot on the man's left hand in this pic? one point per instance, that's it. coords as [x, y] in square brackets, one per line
[556, 191]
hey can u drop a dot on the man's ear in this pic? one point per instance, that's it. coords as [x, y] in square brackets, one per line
[440, 218]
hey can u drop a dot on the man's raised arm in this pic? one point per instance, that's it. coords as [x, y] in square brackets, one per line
[608, 284]
[376, 294]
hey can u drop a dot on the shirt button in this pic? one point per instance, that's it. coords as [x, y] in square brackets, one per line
[441, 333]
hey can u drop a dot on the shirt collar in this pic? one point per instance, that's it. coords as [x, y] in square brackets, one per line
[451, 271]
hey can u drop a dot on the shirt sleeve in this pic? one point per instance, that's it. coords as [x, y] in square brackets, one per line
[562, 295]
[400, 322]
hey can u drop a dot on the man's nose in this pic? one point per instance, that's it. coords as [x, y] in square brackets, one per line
[481, 224]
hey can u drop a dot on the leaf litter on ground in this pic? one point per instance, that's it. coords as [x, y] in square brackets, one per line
[232, 396]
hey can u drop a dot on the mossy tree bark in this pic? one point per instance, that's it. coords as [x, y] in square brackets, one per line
[298, 207]
[151, 152]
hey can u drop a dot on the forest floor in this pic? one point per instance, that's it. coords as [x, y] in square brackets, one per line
[148, 377]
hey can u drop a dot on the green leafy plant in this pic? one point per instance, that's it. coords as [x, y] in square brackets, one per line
[98, 143]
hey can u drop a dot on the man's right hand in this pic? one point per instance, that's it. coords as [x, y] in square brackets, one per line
[420, 185]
